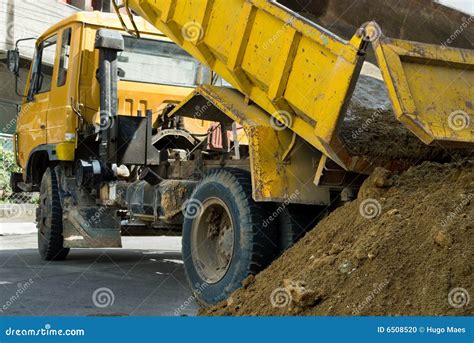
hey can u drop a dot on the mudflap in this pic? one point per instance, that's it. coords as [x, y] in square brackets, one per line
[91, 227]
[86, 224]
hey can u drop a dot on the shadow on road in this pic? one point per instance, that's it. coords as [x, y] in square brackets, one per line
[95, 282]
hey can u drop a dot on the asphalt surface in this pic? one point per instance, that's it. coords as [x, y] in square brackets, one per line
[145, 278]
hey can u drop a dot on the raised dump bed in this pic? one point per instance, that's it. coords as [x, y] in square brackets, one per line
[310, 79]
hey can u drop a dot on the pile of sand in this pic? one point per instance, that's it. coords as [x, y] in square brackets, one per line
[404, 247]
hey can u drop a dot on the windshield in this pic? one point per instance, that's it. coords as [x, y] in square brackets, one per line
[151, 61]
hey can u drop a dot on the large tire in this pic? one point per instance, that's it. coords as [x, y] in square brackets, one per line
[226, 235]
[49, 217]
[295, 221]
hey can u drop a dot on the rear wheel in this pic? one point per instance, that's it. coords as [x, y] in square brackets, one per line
[224, 236]
[49, 219]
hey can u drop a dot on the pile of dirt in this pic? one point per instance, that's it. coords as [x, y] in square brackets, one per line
[425, 21]
[404, 247]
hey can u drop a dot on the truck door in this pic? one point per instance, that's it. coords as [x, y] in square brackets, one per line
[33, 116]
[61, 119]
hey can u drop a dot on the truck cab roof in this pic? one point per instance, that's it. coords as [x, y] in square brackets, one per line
[103, 20]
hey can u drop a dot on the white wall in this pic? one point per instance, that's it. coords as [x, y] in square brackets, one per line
[466, 6]
[28, 18]
[22, 19]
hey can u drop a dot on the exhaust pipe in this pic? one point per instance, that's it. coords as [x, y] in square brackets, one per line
[109, 42]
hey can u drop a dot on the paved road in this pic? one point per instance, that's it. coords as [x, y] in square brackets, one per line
[146, 277]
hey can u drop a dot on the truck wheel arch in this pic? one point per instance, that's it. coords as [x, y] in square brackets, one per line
[38, 161]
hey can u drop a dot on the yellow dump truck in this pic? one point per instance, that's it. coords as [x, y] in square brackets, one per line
[300, 124]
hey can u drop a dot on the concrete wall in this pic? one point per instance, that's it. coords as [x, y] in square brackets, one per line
[466, 6]
[28, 18]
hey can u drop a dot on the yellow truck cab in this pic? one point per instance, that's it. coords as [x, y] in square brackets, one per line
[62, 92]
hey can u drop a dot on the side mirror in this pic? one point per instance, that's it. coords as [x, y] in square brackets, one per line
[13, 61]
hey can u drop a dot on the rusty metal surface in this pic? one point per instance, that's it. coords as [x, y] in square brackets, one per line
[156, 203]
[173, 195]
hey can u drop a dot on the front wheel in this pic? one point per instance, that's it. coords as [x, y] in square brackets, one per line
[49, 219]
[226, 236]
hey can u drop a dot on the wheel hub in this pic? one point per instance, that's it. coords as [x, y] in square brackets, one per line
[213, 240]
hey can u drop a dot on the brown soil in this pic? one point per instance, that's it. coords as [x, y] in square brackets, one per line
[405, 261]
[424, 21]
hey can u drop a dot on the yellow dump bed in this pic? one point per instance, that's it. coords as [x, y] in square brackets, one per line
[304, 76]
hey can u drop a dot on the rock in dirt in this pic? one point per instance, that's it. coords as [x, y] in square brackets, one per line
[300, 297]
[414, 258]
[248, 281]
[376, 184]
[444, 239]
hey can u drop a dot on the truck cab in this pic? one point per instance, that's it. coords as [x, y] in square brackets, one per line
[62, 91]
